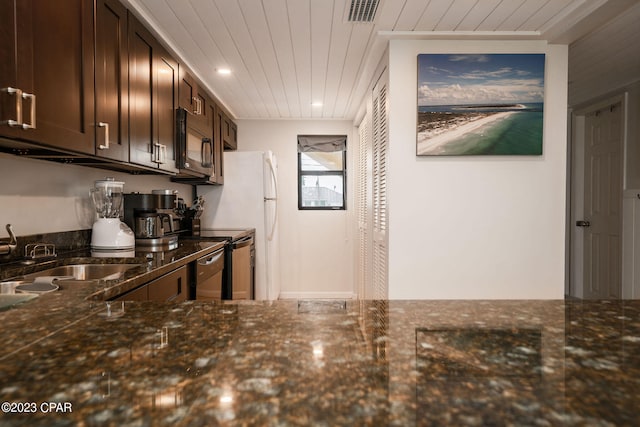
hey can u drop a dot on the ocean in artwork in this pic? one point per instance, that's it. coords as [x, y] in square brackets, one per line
[480, 104]
[480, 129]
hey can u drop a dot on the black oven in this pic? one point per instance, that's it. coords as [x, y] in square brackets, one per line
[193, 146]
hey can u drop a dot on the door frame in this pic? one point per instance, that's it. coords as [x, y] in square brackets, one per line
[575, 200]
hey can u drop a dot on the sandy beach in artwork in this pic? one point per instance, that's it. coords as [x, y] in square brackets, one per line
[432, 141]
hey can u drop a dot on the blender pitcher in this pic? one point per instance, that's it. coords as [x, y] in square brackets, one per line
[108, 232]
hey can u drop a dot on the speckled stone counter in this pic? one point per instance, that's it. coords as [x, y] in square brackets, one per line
[75, 301]
[328, 363]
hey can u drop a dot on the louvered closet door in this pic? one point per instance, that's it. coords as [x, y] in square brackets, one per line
[380, 140]
[364, 208]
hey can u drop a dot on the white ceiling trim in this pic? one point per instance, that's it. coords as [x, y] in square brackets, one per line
[471, 35]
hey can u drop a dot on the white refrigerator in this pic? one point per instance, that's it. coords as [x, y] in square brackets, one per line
[249, 199]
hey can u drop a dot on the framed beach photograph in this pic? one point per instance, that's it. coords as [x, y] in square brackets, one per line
[480, 104]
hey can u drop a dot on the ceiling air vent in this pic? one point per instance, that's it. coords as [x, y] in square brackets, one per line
[363, 10]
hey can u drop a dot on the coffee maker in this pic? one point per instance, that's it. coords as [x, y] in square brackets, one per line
[154, 218]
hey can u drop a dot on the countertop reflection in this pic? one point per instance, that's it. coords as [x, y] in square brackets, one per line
[332, 362]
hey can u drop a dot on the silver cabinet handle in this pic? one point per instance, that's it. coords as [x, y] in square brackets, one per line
[194, 101]
[197, 110]
[18, 94]
[32, 97]
[155, 153]
[163, 154]
[104, 125]
[160, 153]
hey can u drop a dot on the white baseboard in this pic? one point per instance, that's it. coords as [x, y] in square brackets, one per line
[317, 295]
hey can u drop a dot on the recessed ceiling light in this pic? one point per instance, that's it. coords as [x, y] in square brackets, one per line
[224, 71]
[316, 104]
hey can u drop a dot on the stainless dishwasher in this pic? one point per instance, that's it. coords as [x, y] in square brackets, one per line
[208, 283]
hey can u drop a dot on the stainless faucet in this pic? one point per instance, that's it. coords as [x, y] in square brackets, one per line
[7, 248]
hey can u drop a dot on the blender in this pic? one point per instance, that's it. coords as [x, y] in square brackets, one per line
[108, 232]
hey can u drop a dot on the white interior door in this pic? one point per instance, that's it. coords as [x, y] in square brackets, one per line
[603, 184]
[380, 140]
[364, 207]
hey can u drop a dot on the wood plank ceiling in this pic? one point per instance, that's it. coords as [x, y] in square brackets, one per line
[285, 55]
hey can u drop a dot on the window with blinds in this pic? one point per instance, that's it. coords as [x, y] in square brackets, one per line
[322, 168]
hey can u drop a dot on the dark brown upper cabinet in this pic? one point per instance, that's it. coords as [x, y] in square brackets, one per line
[218, 146]
[197, 102]
[153, 98]
[229, 133]
[47, 73]
[83, 81]
[112, 81]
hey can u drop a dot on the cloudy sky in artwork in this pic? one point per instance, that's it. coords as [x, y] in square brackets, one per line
[454, 79]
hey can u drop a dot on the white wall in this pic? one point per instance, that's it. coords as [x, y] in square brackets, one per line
[598, 75]
[606, 59]
[37, 196]
[475, 227]
[597, 71]
[316, 247]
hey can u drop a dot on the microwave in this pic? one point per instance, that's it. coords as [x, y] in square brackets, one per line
[194, 147]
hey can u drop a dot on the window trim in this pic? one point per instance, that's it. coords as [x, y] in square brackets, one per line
[342, 173]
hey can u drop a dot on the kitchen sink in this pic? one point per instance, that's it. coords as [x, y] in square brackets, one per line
[72, 273]
[13, 293]
[84, 272]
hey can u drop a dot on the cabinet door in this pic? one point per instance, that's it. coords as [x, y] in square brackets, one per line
[187, 91]
[112, 84]
[10, 100]
[166, 77]
[140, 95]
[152, 100]
[196, 101]
[218, 147]
[229, 133]
[241, 273]
[170, 287]
[47, 52]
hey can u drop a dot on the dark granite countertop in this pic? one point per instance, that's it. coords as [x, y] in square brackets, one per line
[152, 264]
[76, 301]
[325, 363]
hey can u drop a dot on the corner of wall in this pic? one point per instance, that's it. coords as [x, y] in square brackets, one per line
[476, 227]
